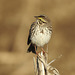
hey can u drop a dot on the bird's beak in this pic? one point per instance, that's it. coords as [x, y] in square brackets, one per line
[36, 16]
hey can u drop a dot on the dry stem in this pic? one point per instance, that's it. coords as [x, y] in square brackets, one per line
[42, 67]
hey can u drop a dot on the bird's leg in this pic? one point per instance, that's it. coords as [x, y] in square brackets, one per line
[44, 51]
[37, 52]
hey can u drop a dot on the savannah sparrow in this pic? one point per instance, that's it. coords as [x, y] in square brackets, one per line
[39, 33]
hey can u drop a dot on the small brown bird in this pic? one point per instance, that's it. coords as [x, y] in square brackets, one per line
[39, 33]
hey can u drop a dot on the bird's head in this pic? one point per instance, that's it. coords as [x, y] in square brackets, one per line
[42, 19]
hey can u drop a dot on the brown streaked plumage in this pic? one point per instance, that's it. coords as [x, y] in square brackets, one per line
[39, 33]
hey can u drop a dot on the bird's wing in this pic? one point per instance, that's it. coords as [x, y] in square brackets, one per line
[30, 31]
[29, 41]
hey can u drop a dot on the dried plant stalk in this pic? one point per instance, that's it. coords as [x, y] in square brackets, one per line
[41, 65]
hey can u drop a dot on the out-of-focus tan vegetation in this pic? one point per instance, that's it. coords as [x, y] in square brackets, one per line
[16, 17]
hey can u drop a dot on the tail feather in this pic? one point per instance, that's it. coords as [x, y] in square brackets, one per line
[31, 48]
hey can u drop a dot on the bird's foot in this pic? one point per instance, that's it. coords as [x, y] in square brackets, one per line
[37, 53]
[44, 51]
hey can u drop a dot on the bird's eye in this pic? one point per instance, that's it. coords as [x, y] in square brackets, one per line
[40, 19]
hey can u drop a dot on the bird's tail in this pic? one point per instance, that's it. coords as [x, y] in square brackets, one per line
[31, 48]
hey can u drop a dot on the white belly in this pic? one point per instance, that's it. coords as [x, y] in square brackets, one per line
[40, 39]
